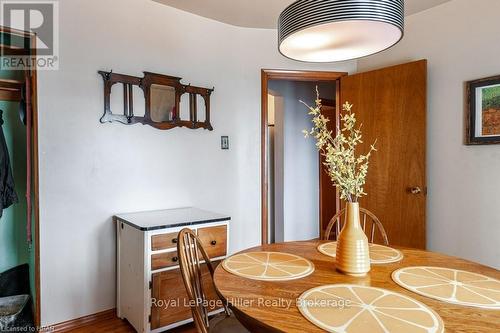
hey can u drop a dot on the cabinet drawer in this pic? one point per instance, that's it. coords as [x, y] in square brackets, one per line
[162, 260]
[164, 241]
[169, 298]
[214, 240]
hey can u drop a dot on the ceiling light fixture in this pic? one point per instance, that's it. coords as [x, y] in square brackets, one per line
[337, 30]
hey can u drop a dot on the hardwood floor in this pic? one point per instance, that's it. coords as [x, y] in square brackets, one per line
[116, 325]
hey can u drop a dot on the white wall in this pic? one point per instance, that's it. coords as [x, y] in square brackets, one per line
[460, 40]
[90, 171]
[300, 193]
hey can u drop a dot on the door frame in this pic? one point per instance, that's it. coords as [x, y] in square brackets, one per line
[291, 75]
[34, 156]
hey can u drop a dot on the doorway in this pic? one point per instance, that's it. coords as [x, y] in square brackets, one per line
[19, 229]
[391, 104]
[291, 166]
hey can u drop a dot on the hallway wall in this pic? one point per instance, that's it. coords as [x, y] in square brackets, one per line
[299, 167]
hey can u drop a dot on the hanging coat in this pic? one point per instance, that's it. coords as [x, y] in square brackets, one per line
[8, 194]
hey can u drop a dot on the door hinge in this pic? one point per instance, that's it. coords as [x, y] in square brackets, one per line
[149, 318]
[150, 284]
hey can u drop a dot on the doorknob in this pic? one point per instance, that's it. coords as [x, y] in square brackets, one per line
[415, 190]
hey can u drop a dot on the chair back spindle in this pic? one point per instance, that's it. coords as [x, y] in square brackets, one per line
[368, 218]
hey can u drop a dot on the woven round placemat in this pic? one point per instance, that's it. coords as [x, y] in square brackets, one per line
[268, 266]
[379, 254]
[450, 285]
[354, 308]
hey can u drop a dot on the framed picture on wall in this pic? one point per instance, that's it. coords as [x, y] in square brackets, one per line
[483, 111]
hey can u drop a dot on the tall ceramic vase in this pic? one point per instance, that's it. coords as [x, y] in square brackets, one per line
[353, 257]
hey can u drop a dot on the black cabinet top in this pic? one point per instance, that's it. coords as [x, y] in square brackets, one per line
[170, 218]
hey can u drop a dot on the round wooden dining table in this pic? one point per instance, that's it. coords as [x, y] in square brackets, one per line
[270, 306]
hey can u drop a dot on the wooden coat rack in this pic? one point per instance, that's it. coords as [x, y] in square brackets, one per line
[162, 94]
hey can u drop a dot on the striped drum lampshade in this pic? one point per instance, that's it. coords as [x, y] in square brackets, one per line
[337, 30]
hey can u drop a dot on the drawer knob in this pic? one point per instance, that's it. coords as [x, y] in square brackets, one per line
[213, 242]
[174, 240]
[175, 259]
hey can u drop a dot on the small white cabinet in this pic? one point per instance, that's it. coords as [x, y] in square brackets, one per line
[150, 290]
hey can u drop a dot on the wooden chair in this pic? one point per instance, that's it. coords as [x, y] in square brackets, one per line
[365, 215]
[189, 249]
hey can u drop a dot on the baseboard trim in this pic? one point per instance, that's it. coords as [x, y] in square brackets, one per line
[84, 321]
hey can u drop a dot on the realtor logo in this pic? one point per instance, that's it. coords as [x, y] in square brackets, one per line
[40, 20]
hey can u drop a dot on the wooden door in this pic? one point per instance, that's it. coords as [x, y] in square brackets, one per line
[391, 105]
[328, 196]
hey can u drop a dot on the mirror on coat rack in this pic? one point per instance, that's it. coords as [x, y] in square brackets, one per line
[163, 103]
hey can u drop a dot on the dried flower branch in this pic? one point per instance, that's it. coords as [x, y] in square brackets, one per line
[346, 171]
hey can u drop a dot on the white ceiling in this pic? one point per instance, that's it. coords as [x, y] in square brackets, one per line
[261, 13]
